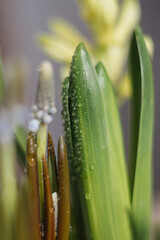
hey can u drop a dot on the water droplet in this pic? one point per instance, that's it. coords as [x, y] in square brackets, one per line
[31, 162]
[79, 105]
[31, 149]
[68, 129]
[88, 196]
[70, 228]
[51, 209]
[92, 167]
[39, 225]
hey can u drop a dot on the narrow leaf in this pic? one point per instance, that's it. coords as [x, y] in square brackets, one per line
[142, 144]
[20, 142]
[32, 171]
[135, 109]
[49, 220]
[52, 164]
[63, 193]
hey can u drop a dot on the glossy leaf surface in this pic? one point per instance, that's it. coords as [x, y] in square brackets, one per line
[143, 105]
[32, 171]
[63, 227]
[96, 171]
[52, 164]
[49, 217]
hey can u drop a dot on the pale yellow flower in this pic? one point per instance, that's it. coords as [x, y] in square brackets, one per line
[99, 12]
[128, 19]
[111, 23]
[150, 45]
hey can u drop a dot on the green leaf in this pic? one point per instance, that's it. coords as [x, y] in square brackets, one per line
[135, 109]
[20, 143]
[118, 176]
[52, 164]
[77, 225]
[143, 105]
[98, 169]
[113, 125]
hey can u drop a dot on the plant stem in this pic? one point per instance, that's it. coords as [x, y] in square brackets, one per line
[41, 151]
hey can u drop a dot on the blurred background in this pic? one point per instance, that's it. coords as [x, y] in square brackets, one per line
[21, 20]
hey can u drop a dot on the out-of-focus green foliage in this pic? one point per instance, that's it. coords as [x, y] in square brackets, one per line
[1, 81]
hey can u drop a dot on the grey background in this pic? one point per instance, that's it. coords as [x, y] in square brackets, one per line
[21, 19]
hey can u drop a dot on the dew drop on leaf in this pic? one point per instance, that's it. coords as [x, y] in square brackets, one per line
[88, 196]
[51, 209]
[70, 228]
[92, 167]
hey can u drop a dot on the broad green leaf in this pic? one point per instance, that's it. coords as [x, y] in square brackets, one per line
[96, 172]
[143, 105]
[118, 177]
[114, 131]
[77, 226]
